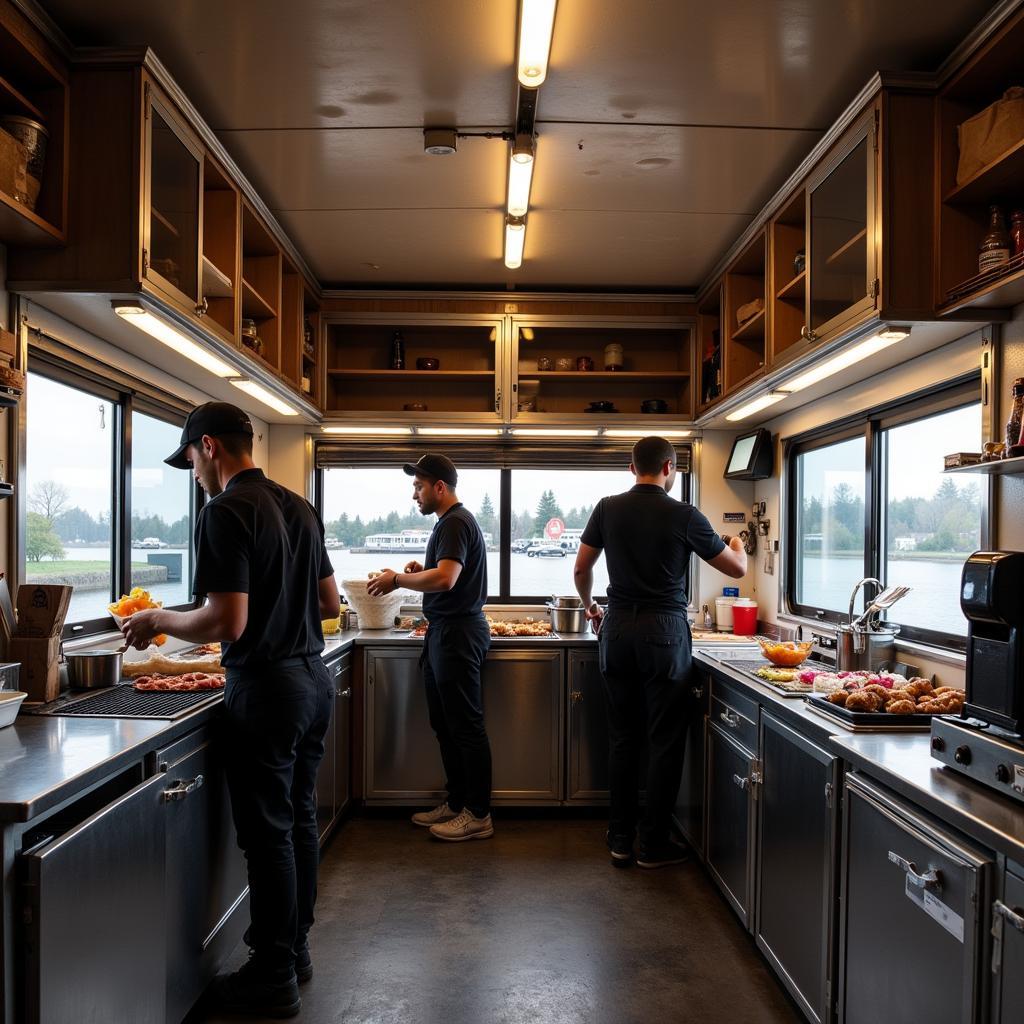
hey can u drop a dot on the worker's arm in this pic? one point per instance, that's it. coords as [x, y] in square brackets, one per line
[222, 618]
[732, 560]
[330, 602]
[427, 581]
[583, 577]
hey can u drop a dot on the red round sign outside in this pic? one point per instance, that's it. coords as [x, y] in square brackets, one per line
[555, 528]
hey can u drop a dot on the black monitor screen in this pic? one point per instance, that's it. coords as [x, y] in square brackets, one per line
[742, 451]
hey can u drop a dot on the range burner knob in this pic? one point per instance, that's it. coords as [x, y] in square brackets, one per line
[962, 754]
[938, 743]
[1003, 774]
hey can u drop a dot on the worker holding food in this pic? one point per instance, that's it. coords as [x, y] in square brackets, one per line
[644, 641]
[453, 581]
[263, 569]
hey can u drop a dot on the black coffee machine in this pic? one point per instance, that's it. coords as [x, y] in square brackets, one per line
[986, 742]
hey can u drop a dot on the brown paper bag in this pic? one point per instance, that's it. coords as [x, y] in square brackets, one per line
[40, 665]
[989, 134]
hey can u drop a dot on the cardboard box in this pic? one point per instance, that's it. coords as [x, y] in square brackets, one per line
[42, 608]
[40, 665]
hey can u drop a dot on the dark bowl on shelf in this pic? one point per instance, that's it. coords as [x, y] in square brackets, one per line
[654, 405]
[427, 363]
[602, 405]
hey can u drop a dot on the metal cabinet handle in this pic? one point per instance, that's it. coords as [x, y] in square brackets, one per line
[741, 782]
[1012, 915]
[203, 308]
[698, 692]
[930, 880]
[730, 719]
[347, 692]
[575, 696]
[182, 788]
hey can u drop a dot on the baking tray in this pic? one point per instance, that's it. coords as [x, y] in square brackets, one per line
[868, 721]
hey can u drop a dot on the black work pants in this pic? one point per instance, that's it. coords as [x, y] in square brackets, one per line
[453, 658]
[646, 663]
[275, 720]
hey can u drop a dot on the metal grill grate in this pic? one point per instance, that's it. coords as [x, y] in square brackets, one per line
[126, 702]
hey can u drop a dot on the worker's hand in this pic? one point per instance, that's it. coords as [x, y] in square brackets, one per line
[413, 567]
[140, 628]
[595, 616]
[736, 544]
[382, 584]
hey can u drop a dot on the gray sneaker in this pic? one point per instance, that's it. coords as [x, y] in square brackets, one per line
[464, 826]
[438, 816]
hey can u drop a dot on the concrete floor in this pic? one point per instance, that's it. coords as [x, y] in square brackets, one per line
[531, 927]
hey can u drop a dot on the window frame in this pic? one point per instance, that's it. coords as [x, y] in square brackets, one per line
[872, 425]
[536, 457]
[125, 401]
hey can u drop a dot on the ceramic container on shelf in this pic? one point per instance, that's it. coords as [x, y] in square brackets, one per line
[656, 405]
[563, 364]
[613, 357]
[543, 362]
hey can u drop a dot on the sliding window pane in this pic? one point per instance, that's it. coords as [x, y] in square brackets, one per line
[829, 535]
[69, 469]
[161, 536]
[371, 521]
[932, 522]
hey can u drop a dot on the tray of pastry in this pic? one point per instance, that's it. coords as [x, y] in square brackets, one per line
[876, 707]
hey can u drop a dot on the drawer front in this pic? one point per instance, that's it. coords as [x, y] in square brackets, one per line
[741, 726]
[1009, 923]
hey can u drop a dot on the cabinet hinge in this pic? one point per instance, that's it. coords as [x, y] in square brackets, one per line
[875, 289]
[828, 794]
[756, 776]
[145, 261]
[828, 992]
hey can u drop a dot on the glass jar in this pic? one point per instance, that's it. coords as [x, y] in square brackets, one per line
[613, 356]
[1016, 420]
[543, 362]
[1017, 233]
[564, 364]
[994, 250]
[584, 363]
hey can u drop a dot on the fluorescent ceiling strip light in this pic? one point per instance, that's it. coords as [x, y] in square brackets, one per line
[261, 394]
[852, 355]
[376, 431]
[524, 432]
[536, 23]
[762, 402]
[173, 338]
[520, 175]
[460, 431]
[640, 433]
[515, 240]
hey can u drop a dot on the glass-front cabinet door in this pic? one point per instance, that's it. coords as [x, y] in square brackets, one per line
[172, 183]
[842, 227]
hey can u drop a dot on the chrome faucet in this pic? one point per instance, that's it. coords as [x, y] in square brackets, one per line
[856, 591]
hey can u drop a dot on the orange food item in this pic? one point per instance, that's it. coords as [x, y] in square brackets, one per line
[786, 654]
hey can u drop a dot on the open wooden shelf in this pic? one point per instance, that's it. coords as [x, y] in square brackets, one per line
[399, 375]
[254, 305]
[21, 226]
[794, 290]
[216, 284]
[847, 253]
[1002, 466]
[1003, 177]
[751, 330]
[583, 375]
[1001, 288]
[11, 96]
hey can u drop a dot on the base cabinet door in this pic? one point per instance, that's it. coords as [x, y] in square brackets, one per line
[326, 799]
[911, 935]
[94, 916]
[796, 862]
[1008, 950]
[588, 730]
[402, 764]
[341, 675]
[689, 810]
[732, 784]
[522, 691]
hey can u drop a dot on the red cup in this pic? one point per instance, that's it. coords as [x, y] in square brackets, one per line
[744, 619]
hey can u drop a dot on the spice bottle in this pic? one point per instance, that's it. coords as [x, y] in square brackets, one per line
[397, 351]
[1016, 420]
[1017, 233]
[994, 250]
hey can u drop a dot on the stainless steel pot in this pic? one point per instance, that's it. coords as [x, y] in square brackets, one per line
[568, 620]
[566, 602]
[90, 670]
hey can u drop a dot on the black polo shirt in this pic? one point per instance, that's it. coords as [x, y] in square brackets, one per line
[258, 538]
[648, 538]
[457, 536]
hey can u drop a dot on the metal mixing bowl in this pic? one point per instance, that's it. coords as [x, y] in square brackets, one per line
[568, 620]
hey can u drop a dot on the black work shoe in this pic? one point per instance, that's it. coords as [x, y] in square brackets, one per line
[303, 964]
[256, 993]
[661, 855]
[621, 849]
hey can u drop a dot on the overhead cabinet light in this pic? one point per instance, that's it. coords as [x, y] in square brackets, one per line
[367, 431]
[515, 240]
[261, 394]
[460, 431]
[529, 432]
[883, 339]
[137, 314]
[644, 433]
[536, 22]
[520, 177]
[757, 405]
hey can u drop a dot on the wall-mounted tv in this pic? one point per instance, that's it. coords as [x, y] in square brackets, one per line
[752, 456]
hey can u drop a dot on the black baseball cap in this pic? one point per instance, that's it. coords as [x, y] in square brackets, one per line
[213, 418]
[439, 467]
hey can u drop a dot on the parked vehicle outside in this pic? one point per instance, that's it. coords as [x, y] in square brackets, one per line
[546, 551]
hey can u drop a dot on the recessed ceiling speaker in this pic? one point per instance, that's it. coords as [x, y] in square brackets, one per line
[439, 141]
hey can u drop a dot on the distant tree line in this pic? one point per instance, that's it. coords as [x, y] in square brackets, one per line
[947, 522]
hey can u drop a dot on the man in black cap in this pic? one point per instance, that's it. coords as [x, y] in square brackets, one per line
[453, 581]
[264, 571]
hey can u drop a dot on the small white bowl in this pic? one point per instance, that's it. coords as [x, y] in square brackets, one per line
[10, 702]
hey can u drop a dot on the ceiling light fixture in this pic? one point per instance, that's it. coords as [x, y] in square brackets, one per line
[136, 314]
[515, 240]
[759, 403]
[262, 395]
[641, 433]
[881, 340]
[536, 22]
[524, 432]
[520, 176]
[459, 431]
[362, 431]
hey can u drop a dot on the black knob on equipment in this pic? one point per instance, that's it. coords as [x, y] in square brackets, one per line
[938, 743]
[962, 755]
[1002, 773]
